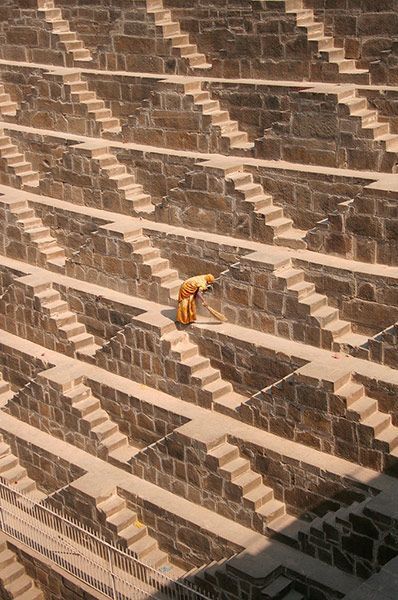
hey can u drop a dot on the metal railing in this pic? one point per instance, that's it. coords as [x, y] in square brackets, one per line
[74, 548]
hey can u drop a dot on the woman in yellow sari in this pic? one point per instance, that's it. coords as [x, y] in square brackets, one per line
[190, 290]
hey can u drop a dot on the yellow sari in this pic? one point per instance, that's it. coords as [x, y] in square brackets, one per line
[186, 311]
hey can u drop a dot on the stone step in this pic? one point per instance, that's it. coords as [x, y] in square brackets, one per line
[112, 505]
[8, 462]
[218, 388]
[364, 407]
[14, 473]
[234, 468]
[6, 557]
[133, 534]
[96, 417]
[143, 547]
[313, 302]
[272, 510]
[158, 559]
[121, 519]
[292, 238]
[56, 307]
[261, 204]
[68, 324]
[257, 497]
[281, 225]
[325, 315]
[224, 453]
[277, 589]
[116, 442]
[196, 363]
[31, 594]
[11, 573]
[82, 54]
[290, 275]
[388, 437]
[19, 586]
[377, 421]
[247, 481]
[105, 429]
[229, 403]
[340, 330]
[302, 290]
[205, 376]
[87, 406]
[83, 341]
[351, 391]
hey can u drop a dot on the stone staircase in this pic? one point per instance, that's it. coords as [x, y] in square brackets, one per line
[155, 268]
[5, 391]
[15, 475]
[68, 39]
[139, 269]
[247, 484]
[234, 139]
[280, 589]
[381, 348]
[134, 535]
[14, 578]
[7, 106]
[180, 42]
[121, 180]
[369, 119]
[326, 45]
[335, 332]
[214, 392]
[95, 107]
[205, 576]
[213, 577]
[60, 318]
[279, 228]
[380, 431]
[325, 532]
[95, 423]
[49, 253]
[15, 163]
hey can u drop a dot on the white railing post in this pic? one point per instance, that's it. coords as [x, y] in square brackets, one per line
[112, 572]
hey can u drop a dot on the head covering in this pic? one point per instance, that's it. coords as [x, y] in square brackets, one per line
[209, 278]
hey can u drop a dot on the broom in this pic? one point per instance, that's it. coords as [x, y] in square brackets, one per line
[219, 316]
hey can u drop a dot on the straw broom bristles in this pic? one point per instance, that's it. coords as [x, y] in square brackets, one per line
[215, 313]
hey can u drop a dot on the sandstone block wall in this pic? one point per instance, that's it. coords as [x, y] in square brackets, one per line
[358, 542]
[330, 137]
[227, 33]
[142, 352]
[320, 417]
[363, 229]
[382, 348]
[251, 299]
[183, 541]
[29, 39]
[356, 294]
[125, 37]
[43, 405]
[18, 367]
[30, 322]
[248, 371]
[165, 464]
[142, 422]
[50, 472]
[365, 28]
